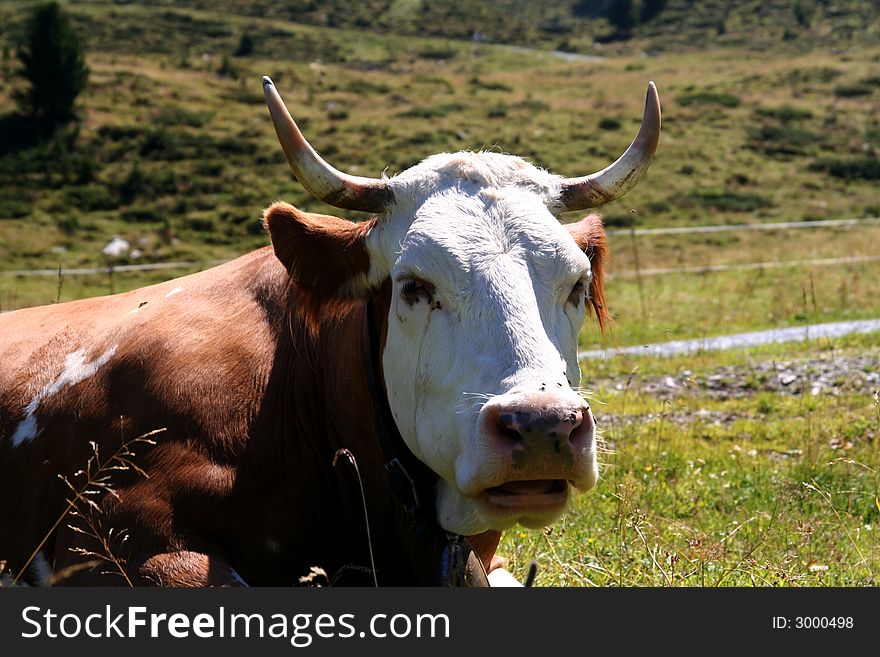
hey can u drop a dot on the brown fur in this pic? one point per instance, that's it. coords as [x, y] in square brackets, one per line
[590, 237]
[324, 254]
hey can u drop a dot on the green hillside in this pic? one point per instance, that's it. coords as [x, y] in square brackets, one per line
[576, 25]
[175, 152]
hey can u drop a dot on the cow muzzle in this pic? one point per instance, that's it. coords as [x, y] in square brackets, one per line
[532, 447]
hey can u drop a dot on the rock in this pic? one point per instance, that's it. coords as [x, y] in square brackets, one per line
[116, 247]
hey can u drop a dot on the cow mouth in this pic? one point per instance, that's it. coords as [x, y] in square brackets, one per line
[533, 493]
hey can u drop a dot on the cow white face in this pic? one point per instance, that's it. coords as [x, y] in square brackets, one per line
[488, 294]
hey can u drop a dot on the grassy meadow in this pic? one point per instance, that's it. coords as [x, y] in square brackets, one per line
[767, 488]
[176, 154]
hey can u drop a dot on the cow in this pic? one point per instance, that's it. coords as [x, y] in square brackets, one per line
[365, 403]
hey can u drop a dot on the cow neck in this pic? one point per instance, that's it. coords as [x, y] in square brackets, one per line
[411, 480]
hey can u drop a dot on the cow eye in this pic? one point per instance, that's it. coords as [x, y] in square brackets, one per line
[415, 290]
[577, 293]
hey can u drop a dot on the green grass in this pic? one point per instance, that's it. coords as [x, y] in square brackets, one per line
[782, 492]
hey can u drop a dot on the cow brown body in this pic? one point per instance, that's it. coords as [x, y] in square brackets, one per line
[254, 395]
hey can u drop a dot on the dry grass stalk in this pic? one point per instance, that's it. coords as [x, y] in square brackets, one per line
[82, 503]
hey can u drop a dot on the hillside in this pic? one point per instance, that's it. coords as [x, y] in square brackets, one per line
[587, 26]
[176, 153]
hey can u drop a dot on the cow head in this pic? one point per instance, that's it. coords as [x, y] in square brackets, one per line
[488, 294]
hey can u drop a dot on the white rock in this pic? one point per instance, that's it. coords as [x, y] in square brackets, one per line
[116, 247]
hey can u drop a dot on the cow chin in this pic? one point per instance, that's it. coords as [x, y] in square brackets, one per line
[532, 504]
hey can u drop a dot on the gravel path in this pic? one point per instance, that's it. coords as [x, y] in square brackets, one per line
[740, 340]
[813, 376]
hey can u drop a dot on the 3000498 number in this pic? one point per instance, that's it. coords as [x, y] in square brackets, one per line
[823, 622]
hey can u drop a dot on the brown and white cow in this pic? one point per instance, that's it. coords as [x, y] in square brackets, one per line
[440, 336]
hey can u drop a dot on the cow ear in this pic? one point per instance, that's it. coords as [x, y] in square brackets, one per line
[326, 255]
[590, 237]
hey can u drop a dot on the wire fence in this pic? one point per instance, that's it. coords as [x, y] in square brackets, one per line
[110, 269]
[741, 228]
[746, 266]
[633, 233]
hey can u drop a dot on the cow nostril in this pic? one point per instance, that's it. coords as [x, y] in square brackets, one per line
[581, 427]
[508, 426]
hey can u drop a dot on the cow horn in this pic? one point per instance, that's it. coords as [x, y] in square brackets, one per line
[617, 179]
[324, 182]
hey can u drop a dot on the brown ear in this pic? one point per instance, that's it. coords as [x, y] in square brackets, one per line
[326, 255]
[590, 237]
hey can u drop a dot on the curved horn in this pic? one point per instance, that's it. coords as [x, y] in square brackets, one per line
[617, 179]
[319, 178]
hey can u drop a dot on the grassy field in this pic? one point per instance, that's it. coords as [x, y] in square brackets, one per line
[177, 155]
[765, 489]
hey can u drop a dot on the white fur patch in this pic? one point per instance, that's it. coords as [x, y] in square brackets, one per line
[76, 370]
[501, 577]
[27, 429]
[176, 290]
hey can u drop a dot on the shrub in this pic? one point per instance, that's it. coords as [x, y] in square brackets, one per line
[623, 15]
[657, 207]
[531, 105]
[437, 52]
[67, 223]
[132, 185]
[785, 113]
[11, 208]
[859, 168]
[852, 90]
[53, 63]
[432, 112]
[89, 198]
[245, 46]
[227, 69]
[200, 224]
[708, 98]
[609, 123]
[157, 143]
[173, 115]
[818, 74]
[83, 167]
[489, 85]
[144, 214]
[365, 87]
[728, 200]
[619, 220]
[782, 140]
